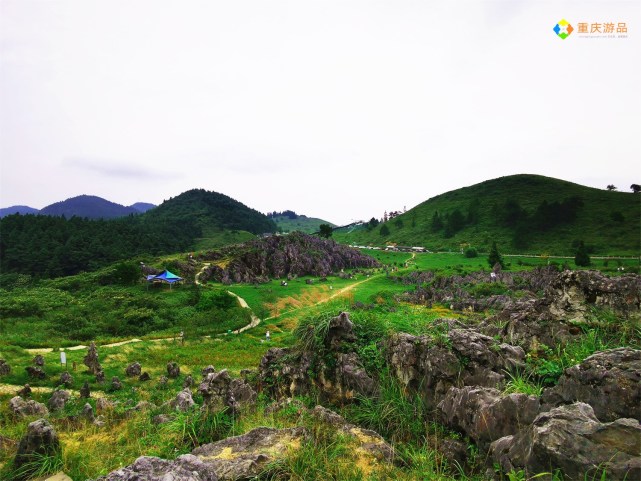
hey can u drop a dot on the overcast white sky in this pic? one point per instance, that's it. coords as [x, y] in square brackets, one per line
[336, 109]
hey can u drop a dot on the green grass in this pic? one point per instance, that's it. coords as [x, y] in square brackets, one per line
[214, 238]
[594, 223]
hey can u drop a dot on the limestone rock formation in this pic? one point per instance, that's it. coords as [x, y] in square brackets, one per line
[485, 415]
[91, 359]
[66, 379]
[184, 468]
[20, 407]
[183, 401]
[134, 369]
[5, 368]
[609, 381]
[173, 370]
[58, 399]
[245, 456]
[41, 439]
[572, 439]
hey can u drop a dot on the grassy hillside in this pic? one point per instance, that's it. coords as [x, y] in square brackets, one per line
[301, 223]
[522, 213]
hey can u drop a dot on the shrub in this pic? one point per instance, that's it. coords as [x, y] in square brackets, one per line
[471, 252]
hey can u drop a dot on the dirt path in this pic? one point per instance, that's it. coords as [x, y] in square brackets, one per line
[254, 318]
[205, 266]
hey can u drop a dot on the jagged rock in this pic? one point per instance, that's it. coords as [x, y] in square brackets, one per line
[341, 376]
[103, 404]
[66, 379]
[551, 320]
[133, 369]
[40, 440]
[188, 382]
[454, 451]
[208, 370]
[220, 391]
[280, 257]
[183, 401]
[244, 457]
[570, 438]
[25, 392]
[421, 366]
[85, 391]
[184, 468]
[5, 369]
[609, 381]
[173, 370]
[371, 444]
[35, 372]
[39, 360]
[340, 330]
[475, 359]
[58, 399]
[87, 413]
[20, 407]
[162, 380]
[116, 385]
[100, 377]
[485, 415]
[91, 359]
[144, 376]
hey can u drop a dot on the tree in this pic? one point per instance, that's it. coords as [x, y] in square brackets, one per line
[437, 223]
[611, 187]
[495, 257]
[325, 230]
[636, 188]
[455, 222]
[384, 231]
[582, 259]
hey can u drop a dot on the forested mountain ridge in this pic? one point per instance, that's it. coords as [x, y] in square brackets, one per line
[51, 246]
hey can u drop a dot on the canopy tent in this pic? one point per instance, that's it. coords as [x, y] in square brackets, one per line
[165, 276]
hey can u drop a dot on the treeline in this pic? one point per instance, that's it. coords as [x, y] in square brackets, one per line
[512, 215]
[45, 246]
[290, 214]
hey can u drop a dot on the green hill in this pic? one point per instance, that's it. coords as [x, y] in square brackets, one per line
[522, 213]
[289, 221]
[209, 210]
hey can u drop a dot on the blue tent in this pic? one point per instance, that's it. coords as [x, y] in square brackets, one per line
[165, 276]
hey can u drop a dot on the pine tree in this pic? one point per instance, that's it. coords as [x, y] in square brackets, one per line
[495, 257]
[582, 259]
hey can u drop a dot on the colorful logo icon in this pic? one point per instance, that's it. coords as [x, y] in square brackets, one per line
[563, 29]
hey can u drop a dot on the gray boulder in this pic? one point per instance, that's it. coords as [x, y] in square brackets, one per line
[220, 391]
[188, 382]
[144, 377]
[609, 381]
[244, 457]
[116, 385]
[173, 370]
[91, 359]
[134, 369]
[40, 440]
[5, 369]
[58, 399]
[485, 415]
[572, 439]
[183, 401]
[66, 379]
[184, 468]
[85, 392]
[371, 445]
[39, 360]
[35, 372]
[23, 408]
